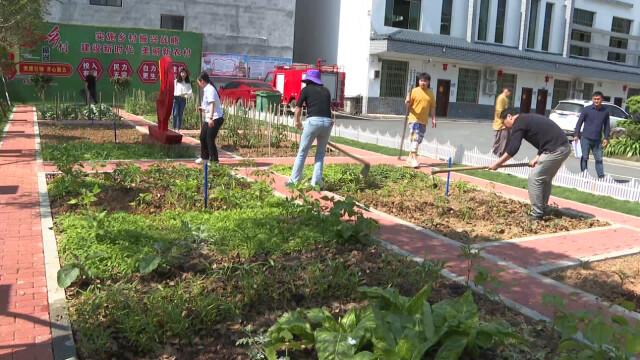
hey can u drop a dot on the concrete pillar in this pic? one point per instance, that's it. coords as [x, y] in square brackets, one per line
[472, 23]
[524, 24]
[568, 25]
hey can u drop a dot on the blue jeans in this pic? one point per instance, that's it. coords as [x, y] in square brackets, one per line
[588, 145]
[179, 103]
[315, 128]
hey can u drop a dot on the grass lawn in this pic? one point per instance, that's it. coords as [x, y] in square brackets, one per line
[605, 202]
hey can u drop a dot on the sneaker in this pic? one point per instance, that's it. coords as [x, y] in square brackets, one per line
[535, 217]
[412, 163]
[199, 161]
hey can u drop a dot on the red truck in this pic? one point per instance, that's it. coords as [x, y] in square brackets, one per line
[288, 80]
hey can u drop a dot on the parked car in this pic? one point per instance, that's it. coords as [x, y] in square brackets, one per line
[241, 90]
[566, 114]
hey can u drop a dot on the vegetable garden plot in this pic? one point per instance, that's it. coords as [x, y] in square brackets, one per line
[468, 214]
[163, 277]
[98, 142]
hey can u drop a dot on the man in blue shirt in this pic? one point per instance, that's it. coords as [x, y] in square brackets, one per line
[596, 121]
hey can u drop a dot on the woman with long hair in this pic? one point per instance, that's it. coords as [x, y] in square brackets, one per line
[213, 119]
[181, 91]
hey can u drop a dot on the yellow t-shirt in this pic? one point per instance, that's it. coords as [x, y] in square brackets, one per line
[422, 103]
[502, 103]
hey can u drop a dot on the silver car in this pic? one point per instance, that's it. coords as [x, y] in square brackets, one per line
[566, 114]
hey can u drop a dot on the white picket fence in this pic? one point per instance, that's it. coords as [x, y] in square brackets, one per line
[608, 186]
[581, 181]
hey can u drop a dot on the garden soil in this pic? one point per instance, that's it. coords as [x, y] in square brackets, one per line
[615, 280]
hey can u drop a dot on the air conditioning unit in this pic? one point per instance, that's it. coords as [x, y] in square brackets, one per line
[491, 74]
[490, 87]
[578, 85]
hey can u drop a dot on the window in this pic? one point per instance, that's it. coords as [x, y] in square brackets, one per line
[619, 43]
[587, 91]
[583, 17]
[507, 81]
[502, 6]
[231, 85]
[561, 91]
[445, 17]
[482, 20]
[621, 25]
[533, 24]
[403, 14]
[548, 13]
[116, 3]
[616, 111]
[174, 22]
[582, 36]
[468, 84]
[393, 78]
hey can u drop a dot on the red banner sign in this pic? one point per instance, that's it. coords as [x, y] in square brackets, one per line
[51, 69]
[120, 68]
[88, 65]
[148, 72]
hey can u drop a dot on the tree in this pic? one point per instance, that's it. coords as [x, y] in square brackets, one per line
[19, 21]
[19, 24]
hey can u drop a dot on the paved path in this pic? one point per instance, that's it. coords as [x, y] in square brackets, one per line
[25, 329]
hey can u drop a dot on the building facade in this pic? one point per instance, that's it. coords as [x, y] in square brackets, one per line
[545, 50]
[247, 27]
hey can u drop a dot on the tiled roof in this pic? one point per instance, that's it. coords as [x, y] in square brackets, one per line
[415, 42]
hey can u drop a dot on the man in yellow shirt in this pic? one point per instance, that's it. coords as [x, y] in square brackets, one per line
[501, 132]
[421, 104]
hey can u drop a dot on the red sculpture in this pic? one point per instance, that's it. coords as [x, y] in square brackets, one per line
[164, 105]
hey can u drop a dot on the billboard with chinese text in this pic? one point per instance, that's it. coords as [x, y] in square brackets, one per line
[68, 53]
[246, 66]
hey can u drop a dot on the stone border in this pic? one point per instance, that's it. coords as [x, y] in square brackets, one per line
[62, 342]
[543, 236]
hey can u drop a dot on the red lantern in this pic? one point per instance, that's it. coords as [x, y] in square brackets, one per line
[624, 87]
[500, 73]
[445, 67]
[546, 79]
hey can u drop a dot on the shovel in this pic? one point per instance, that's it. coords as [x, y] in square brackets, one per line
[467, 168]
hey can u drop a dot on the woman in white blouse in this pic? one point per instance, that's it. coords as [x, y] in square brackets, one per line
[213, 120]
[181, 91]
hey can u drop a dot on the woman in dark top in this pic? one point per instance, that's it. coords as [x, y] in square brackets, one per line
[90, 88]
[318, 126]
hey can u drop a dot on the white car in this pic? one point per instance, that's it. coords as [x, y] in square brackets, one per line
[566, 114]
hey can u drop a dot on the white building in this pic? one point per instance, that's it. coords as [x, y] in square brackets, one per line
[545, 50]
[245, 27]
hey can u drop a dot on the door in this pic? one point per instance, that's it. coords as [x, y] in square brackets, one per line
[541, 103]
[525, 100]
[442, 98]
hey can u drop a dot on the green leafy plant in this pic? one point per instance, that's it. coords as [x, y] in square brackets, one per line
[86, 198]
[391, 327]
[623, 147]
[608, 338]
[41, 83]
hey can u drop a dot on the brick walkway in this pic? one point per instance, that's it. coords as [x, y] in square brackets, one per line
[25, 329]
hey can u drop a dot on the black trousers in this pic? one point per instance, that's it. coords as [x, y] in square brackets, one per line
[208, 149]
